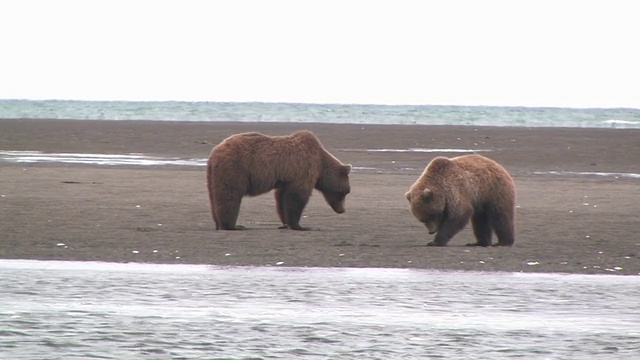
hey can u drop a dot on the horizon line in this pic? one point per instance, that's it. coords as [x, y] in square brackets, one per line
[325, 103]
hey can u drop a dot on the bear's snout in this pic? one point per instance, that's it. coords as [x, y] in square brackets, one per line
[336, 202]
[339, 209]
[432, 227]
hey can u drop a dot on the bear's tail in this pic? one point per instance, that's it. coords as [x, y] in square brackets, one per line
[210, 191]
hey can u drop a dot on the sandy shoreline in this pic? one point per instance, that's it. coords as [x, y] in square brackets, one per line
[566, 222]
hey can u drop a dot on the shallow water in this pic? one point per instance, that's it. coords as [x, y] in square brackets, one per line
[30, 157]
[67, 310]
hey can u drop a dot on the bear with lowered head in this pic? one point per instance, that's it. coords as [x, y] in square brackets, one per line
[250, 164]
[452, 191]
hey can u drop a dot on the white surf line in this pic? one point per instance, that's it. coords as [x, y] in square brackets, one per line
[614, 122]
[589, 173]
[419, 150]
[95, 159]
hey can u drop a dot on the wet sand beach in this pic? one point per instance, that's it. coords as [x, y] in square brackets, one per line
[578, 200]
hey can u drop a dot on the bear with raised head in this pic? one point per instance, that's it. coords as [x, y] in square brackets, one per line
[451, 191]
[250, 164]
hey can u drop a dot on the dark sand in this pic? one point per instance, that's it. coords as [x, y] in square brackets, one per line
[566, 223]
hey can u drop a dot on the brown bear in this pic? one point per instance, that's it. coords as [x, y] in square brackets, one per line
[250, 164]
[451, 191]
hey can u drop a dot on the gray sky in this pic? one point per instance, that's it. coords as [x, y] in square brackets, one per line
[449, 52]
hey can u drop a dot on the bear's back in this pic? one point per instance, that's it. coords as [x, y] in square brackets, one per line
[269, 158]
[481, 167]
[486, 177]
[474, 174]
[303, 141]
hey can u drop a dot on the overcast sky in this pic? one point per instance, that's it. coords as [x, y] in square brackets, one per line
[449, 52]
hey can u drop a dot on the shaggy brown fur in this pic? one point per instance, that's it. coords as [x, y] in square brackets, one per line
[250, 164]
[451, 191]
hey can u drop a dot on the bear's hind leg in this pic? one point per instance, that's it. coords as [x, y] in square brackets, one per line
[504, 227]
[481, 229]
[293, 203]
[280, 207]
[227, 210]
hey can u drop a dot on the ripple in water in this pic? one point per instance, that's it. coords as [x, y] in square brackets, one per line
[51, 309]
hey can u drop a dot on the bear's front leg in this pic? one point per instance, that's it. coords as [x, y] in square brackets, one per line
[481, 229]
[442, 237]
[447, 230]
[436, 243]
[286, 226]
[293, 203]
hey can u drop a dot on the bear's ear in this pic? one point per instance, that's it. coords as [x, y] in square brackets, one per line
[345, 170]
[427, 194]
[408, 195]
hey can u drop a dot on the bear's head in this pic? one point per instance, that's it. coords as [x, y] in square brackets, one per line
[334, 185]
[428, 206]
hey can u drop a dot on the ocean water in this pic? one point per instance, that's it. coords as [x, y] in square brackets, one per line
[93, 310]
[323, 113]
